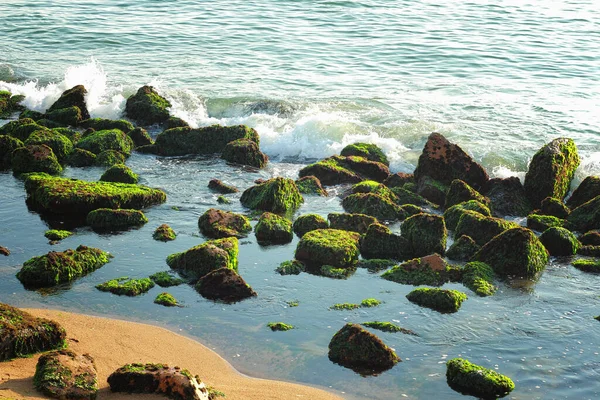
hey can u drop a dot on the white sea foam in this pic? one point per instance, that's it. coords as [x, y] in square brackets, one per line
[503, 172]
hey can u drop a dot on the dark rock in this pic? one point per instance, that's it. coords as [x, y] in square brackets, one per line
[591, 238]
[273, 229]
[476, 380]
[62, 374]
[586, 191]
[309, 222]
[560, 242]
[463, 249]
[224, 284]
[369, 151]
[9, 103]
[481, 228]
[245, 152]
[379, 242]
[108, 158]
[372, 204]
[554, 207]
[217, 224]
[69, 116]
[81, 158]
[277, 195]
[590, 251]
[206, 257]
[338, 169]
[7, 145]
[293, 267]
[542, 222]
[431, 270]
[74, 97]
[507, 197]
[432, 190]
[311, 185]
[147, 107]
[175, 122]
[350, 222]
[403, 197]
[207, 140]
[220, 187]
[20, 129]
[101, 124]
[329, 247]
[441, 300]
[460, 192]
[398, 179]
[583, 218]
[108, 219]
[119, 173]
[35, 158]
[140, 138]
[426, 234]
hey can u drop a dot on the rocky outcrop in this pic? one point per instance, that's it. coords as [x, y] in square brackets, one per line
[224, 284]
[380, 243]
[475, 380]
[8, 144]
[350, 222]
[100, 141]
[309, 222]
[164, 233]
[74, 97]
[221, 187]
[147, 107]
[586, 191]
[369, 151]
[245, 152]
[585, 217]
[218, 224]
[462, 249]
[277, 195]
[507, 197]
[425, 233]
[430, 270]
[329, 247]
[273, 229]
[560, 242]
[481, 228]
[459, 192]
[206, 257]
[35, 158]
[339, 169]
[311, 185]
[206, 140]
[374, 205]
[119, 173]
[63, 374]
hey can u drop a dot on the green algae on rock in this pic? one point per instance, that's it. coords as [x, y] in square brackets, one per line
[388, 327]
[560, 242]
[375, 264]
[479, 277]
[54, 234]
[452, 214]
[63, 374]
[334, 272]
[290, 267]
[7, 145]
[60, 267]
[279, 326]
[74, 97]
[166, 279]
[587, 265]
[110, 139]
[245, 152]
[9, 103]
[309, 222]
[329, 247]
[20, 129]
[379, 242]
[115, 219]
[101, 124]
[583, 218]
[350, 222]
[220, 187]
[68, 116]
[507, 197]
[164, 233]
[542, 222]
[374, 205]
[166, 299]
[223, 200]
[22, 334]
[371, 152]
[224, 284]
[425, 233]
[60, 144]
[460, 191]
[141, 138]
[273, 229]
[344, 306]
[147, 107]
[81, 158]
[108, 158]
[370, 186]
[586, 191]
[206, 257]
[591, 238]
[370, 302]
[475, 380]
[218, 224]
[441, 300]
[481, 228]
[35, 158]
[277, 195]
[119, 173]
[126, 286]
[339, 169]
[462, 249]
[554, 207]
[311, 185]
[431, 270]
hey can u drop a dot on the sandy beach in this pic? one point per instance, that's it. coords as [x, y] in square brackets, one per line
[114, 343]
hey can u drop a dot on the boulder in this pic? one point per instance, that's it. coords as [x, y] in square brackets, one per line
[166, 279]
[309, 222]
[475, 380]
[63, 374]
[108, 158]
[586, 191]
[460, 192]
[164, 233]
[218, 224]
[220, 187]
[74, 97]
[355, 348]
[554, 207]
[592, 266]
[277, 195]
[22, 334]
[8, 144]
[374, 205]
[9, 103]
[403, 196]
[551, 171]
[140, 137]
[431, 270]
[166, 299]
[350, 222]
[174, 382]
[311, 185]
[441, 300]
[119, 173]
[292, 267]
[147, 107]
[112, 139]
[542, 222]
[370, 186]
[206, 257]
[4, 251]
[126, 286]
[35, 158]
[462, 249]
[583, 218]
[380, 243]
[366, 150]
[515, 252]
[175, 122]
[273, 229]
[81, 158]
[432, 190]
[224, 284]
[591, 238]
[56, 235]
[560, 242]
[61, 145]
[206, 140]
[20, 129]
[339, 169]
[507, 197]
[58, 267]
[425, 233]
[329, 247]
[445, 161]
[245, 152]
[479, 277]
[101, 124]
[68, 116]
[398, 179]
[108, 219]
[481, 228]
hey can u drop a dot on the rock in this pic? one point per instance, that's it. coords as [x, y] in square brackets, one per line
[206, 140]
[175, 122]
[403, 197]
[101, 124]
[126, 286]
[166, 299]
[245, 152]
[57, 267]
[7, 145]
[398, 179]
[590, 251]
[166, 279]
[479, 277]
[140, 137]
[372, 204]
[311, 185]
[279, 326]
[164, 233]
[335, 273]
[592, 266]
[273, 229]
[76, 197]
[107, 219]
[476, 380]
[463, 249]
[460, 192]
[35, 158]
[551, 171]
[431, 270]
[560, 242]
[583, 218]
[277, 195]
[56, 235]
[380, 243]
[108, 158]
[218, 224]
[112, 139]
[68, 116]
[338, 169]
[369, 186]
[516, 252]
[329, 247]
[432, 190]
[63, 374]
[355, 348]
[224, 284]
[293, 267]
[591, 238]
[481, 228]
[350, 222]
[445, 161]
[174, 382]
[586, 191]
[9, 103]
[388, 327]
[425, 233]
[554, 207]
[542, 222]
[22, 334]
[441, 300]
[369, 151]
[206, 257]
[147, 107]
[20, 129]
[221, 187]
[81, 158]
[60, 144]
[4, 251]
[74, 97]
[507, 197]
[308, 222]
[119, 173]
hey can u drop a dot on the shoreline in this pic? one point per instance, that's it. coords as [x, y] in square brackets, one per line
[113, 343]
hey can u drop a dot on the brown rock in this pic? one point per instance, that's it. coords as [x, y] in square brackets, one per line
[4, 251]
[433, 261]
[398, 179]
[224, 284]
[62, 374]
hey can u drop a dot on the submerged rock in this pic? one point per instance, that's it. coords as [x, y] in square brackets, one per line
[224, 284]
[35, 158]
[164, 233]
[206, 257]
[311, 185]
[277, 195]
[63, 374]
[55, 235]
[245, 152]
[329, 247]
[586, 191]
[115, 220]
[309, 222]
[441, 300]
[369, 151]
[166, 279]
[273, 229]
[463, 249]
[380, 243]
[479, 277]
[587, 265]
[476, 380]
[293, 267]
[560, 242]
[279, 326]
[166, 299]
[4, 251]
[350, 222]
[431, 270]
[388, 327]
[206, 140]
[126, 286]
[74, 97]
[119, 173]
[426, 234]
[147, 107]
[218, 224]
[220, 187]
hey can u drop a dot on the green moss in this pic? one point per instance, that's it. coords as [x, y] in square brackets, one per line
[111, 139]
[479, 277]
[586, 191]
[369, 151]
[60, 144]
[560, 242]
[583, 218]
[277, 195]
[350, 222]
[463, 249]
[293, 267]
[280, 326]
[292, 303]
[166, 299]
[7, 145]
[81, 158]
[9, 103]
[20, 129]
[245, 152]
[310, 185]
[460, 192]
[223, 200]
[476, 380]
[219, 224]
[380, 242]
[441, 300]
[329, 247]
[372, 204]
[542, 222]
[388, 327]
[220, 187]
[141, 139]
[369, 186]
[370, 303]
[273, 229]
[119, 173]
[419, 271]
[330, 171]
[207, 140]
[164, 233]
[54, 234]
[587, 265]
[206, 257]
[452, 215]
[554, 207]
[405, 197]
[68, 116]
[60, 267]
[101, 124]
[336, 273]
[375, 264]
[72, 97]
[147, 107]
[308, 222]
[425, 233]
[119, 219]
[480, 228]
[344, 306]
[126, 286]
[35, 158]
[166, 279]
[108, 158]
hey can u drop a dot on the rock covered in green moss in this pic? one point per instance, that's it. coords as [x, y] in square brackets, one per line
[335, 272]
[9, 103]
[291, 267]
[164, 233]
[60, 144]
[217, 224]
[166, 279]
[74, 97]
[379, 242]
[60, 267]
[77, 197]
[586, 191]
[119, 173]
[460, 191]
[554, 207]
[35, 158]
[63, 374]
[481, 228]
[425, 233]
[441, 300]
[175, 122]
[479, 277]
[279, 326]
[350, 222]
[587, 265]
[388, 327]
[206, 257]
[224, 284]
[273, 229]
[515, 252]
[166, 299]
[431, 270]
[277, 195]
[374, 205]
[22, 334]
[375, 265]
[108, 158]
[245, 152]
[206, 140]
[20, 129]
[399, 179]
[68, 116]
[452, 215]
[551, 170]
[126, 286]
[507, 197]
[81, 158]
[432, 190]
[111, 139]
[115, 219]
[370, 186]
[221, 187]
[147, 107]
[309, 222]
[329, 247]
[542, 222]
[339, 169]
[462, 249]
[403, 196]
[560, 241]
[101, 124]
[55, 234]
[344, 306]
[585, 217]
[591, 238]
[355, 348]
[369, 151]
[140, 138]
[475, 380]
[311, 185]
[591, 251]
[7, 145]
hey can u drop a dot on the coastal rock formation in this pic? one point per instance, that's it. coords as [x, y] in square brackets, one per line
[9, 103]
[585, 217]
[350, 222]
[329, 247]
[554, 207]
[425, 233]
[140, 137]
[399, 179]
[221, 187]
[35, 158]
[206, 257]
[245, 152]
[224, 284]
[431, 270]
[542, 222]
[374, 205]
[369, 151]
[432, 190]
[166, 299]
[74, 97]
[277, 195]
[101, 124]
[8, 144]
[59, 143]
[586, 191]
[479, 277]
[339, 169]
[309, 222]
[112, 139]
[107, 219]
[459, 192]
[166, 279]
[441, 300]
[119, 173]
[81, 158]
[560, 242]
[311, 185]
[380, 243]
[147, 107]
[481, 228]
[68, 116]
[108, 158]
[164, 233]
[507, 197]
[273, 229]
[126, 286]
[62, 374]
[218, 224]
[475, 380]
[462, 249]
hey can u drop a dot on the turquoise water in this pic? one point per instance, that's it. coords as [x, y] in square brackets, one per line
[499, 79]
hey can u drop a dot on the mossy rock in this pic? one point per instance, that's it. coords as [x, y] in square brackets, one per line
[554, 207]
[507, 197]
[425, 233]
[218, 224]
[399, 179]
[63, 374]
[50, 124]
[206, 257]
[108, 158]
[60, 144]
[515, 252]
[403, 196]
[309, 222]
[55, 234]
[277, 195]
[479, 277]
[460, 191]
[432, 190]
[245, 152]
[339, 169]
[111, 139]
[374, 205]
[355, 348]
[147, 107]
[68, 116]
[292, 267]
[35, 158]
[81, 158]
[7, 145]
[223, 200]
[591, 238]
[542, 222]
[475, 380]
[329, 247]
[375, 265]
[22, 334]
[221, 187]
[108, 219]
[452, 215]
[431, 270]
[344, 306]
[380, 243]
[560, 242]
[9, 103]
[273, 229]
[441, 300]
[388, 327]
[462, 249]
[350, 222]
[591, 251]
[480, 228]
[166, 299]
[279, 326]
[311, 185]
[586, 191]
[119, 173]
[224, 284]
[207, 140]
[126, 286]
[369, 151]
[74, 97]
[370, 186]
[164, 233]
[73, 135]
[583, 218]
[140, 138]
[166, 279]
[55, 267]
[101, 124]
[20, 129]
[587, 265]
[335, 272]
[175, 122]
[551, 170]
[77, 197]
